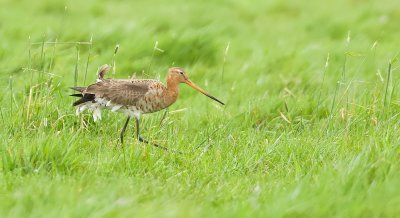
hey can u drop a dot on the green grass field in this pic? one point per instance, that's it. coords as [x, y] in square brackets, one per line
[310, 127]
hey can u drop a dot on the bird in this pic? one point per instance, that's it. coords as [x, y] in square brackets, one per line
[132, 97]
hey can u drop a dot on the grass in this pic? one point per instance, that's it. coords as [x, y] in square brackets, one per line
[310, 127]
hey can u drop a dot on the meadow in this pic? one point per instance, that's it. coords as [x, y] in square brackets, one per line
[310, 127]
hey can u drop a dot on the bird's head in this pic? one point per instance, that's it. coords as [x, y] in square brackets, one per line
[178, 75]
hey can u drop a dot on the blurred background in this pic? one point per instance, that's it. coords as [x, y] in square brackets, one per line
[243, 52]
[267, 39]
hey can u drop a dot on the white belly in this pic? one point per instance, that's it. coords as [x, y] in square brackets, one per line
[101, 104]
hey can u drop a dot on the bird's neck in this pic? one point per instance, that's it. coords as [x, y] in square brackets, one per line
[172, 91]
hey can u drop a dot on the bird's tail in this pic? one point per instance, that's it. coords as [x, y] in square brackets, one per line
[83, 97]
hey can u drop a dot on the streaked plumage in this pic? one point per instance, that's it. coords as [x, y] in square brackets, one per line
[132, 97]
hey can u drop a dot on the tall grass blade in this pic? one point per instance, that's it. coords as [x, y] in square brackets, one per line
[76, 66]
[88, 59]
[389, 72]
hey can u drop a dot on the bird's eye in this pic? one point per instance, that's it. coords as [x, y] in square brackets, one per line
[181, 72]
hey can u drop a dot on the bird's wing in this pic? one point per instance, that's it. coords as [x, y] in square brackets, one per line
[122, 92]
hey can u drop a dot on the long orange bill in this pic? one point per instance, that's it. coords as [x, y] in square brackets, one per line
[190, 83]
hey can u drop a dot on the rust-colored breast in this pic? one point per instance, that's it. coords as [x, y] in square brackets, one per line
[157, 98]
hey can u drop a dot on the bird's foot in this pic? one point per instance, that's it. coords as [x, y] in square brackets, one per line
[158, 146]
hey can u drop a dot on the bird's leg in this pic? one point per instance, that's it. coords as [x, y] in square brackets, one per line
[143, 140]
[123, 129]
